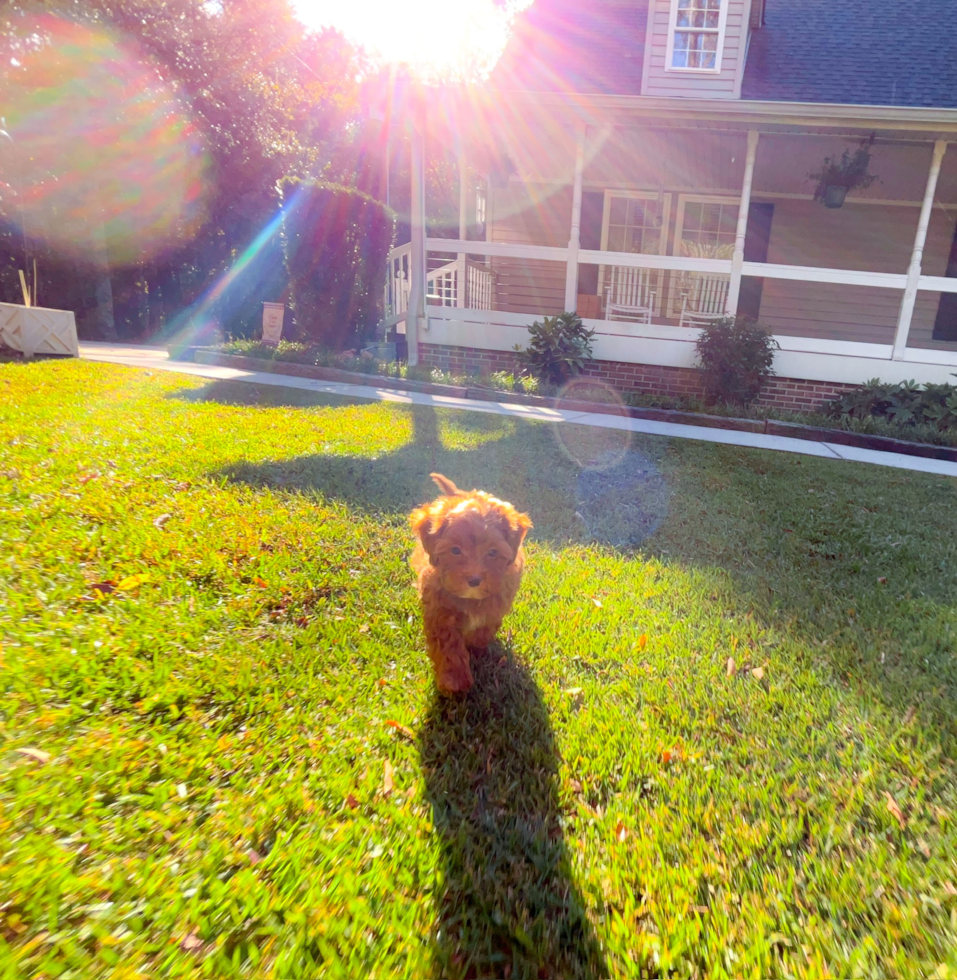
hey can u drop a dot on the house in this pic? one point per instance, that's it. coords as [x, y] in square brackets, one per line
[648, 165]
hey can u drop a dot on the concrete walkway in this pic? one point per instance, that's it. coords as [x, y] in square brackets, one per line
[156, 358]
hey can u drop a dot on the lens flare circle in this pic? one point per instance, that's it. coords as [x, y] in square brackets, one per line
[623, 504]
[598, 446]
[104, 154]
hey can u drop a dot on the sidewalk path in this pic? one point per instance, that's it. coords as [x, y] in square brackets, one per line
[157, 359]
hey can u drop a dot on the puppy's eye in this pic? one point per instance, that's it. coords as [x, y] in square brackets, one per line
[493, 554]
[456, 551]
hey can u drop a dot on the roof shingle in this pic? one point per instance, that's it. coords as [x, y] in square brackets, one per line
[862, 52]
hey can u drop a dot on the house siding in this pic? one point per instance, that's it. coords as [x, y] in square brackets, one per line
[726, 84]
[863, 237]
[531, 285]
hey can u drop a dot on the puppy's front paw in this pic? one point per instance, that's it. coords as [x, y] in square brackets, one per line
[454, 678]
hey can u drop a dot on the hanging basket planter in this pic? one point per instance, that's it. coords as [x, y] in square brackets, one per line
[838, 175]
[834, 195]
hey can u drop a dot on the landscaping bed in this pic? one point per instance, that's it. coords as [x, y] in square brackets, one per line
[764, 424]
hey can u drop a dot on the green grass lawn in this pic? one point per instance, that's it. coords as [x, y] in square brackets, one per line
[720, 745]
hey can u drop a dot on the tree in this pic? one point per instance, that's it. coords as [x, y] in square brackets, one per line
[269, 99]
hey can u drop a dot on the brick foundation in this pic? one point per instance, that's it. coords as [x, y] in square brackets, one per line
[790, 394]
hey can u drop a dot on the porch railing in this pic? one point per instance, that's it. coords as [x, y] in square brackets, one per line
[462, 283]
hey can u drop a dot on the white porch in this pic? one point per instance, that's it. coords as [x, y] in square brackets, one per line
[667, 252]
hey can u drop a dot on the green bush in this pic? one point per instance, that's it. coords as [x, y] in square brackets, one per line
[559, 348]
[736, 357]
[906, 404]
[336, 241]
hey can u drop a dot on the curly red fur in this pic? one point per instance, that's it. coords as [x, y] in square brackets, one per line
[469, 562]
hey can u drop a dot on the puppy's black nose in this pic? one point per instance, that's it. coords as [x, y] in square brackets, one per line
[475, 582]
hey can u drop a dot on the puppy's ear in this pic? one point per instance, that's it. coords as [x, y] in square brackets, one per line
[516, 526]
[428, 526]
[445, 484]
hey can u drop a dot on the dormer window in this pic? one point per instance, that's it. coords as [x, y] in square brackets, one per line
[696, 35]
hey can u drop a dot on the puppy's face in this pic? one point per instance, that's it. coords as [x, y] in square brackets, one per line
[472, 540]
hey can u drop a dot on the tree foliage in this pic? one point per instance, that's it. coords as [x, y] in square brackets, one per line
[336, 242]
[270, 99]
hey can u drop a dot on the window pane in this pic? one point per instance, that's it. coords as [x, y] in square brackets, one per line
[618, 211]
[616, 239]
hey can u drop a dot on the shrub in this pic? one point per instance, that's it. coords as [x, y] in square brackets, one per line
[906, 404]
[559, 348]
[336, 242]
[736, 357]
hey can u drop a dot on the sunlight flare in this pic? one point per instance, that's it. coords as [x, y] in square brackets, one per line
[437, 40]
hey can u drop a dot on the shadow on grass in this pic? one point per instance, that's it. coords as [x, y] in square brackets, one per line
[619, 505]
[507, 904]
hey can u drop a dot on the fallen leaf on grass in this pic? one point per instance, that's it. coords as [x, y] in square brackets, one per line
[382, 682]
[882, 580]
[407, 732]
[191, 942]
[161, 520]
[911, 714]
[104, 588]
[351, 802]
[131, 582]
[895, 809]
[88, 476]
[364, 628]
[575, 785]
[597, 602]
[387, 781]
[621, 831]
[758, 673]
[37, 754]
[642, 641]
[573, 692]
[731, 667]
[260, 582]
[666, 757]
[254, 856]
[923, 848]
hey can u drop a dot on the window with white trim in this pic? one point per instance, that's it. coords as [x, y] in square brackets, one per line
[696, 35]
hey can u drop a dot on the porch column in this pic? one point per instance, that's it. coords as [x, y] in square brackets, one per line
[461, 292]
[574, 240]
[415, 319]
[917, 256]
[737, 259]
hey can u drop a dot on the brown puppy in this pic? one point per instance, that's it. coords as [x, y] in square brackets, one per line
[469, 561]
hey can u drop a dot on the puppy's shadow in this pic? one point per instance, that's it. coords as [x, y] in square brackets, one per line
[507, 904]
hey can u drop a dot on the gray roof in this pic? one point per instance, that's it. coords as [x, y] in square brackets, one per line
[864, 52]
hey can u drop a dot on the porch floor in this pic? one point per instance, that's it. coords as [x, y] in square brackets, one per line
[153, 358]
